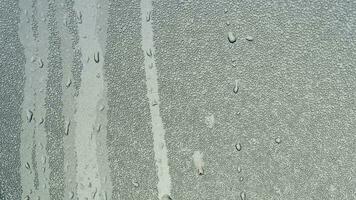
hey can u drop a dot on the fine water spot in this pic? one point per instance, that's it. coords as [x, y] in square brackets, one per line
[239, 169]
[29, 115]
[241, 179]
[227, 23]
[210, 121]
[249, 38]
[278, 140]
[198, 162]
[231, 37]
[243, 196]
[166, 197]
[225, 10]
[236, 87]
[238, 146]
[96, 57]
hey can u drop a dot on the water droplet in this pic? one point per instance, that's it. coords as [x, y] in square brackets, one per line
[96, 58]
[27, 165]
[67, 127]
[227, 23]
[166, 197]
[198, 162]
[71, 195]
[101, 108]
[241, 179]
[148, 16]
[98, 128]
[94, 193]
[249, 38]
[236, 87]
[238, 146]
[29, 115]
[231, 37]
[149, 53]
[278, 140]
[40, 63]
[239, 169]
[80, 18]
[225, 10]
[242, 195]
[41, 121]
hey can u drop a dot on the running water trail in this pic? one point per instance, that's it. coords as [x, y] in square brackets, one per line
[160, 148]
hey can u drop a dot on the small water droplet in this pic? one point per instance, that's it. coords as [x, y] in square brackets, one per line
[27, 165]
[227, 23]
[239, 169]
[243, 195]
[98, 128]
[29, 115]
[225, 10]
[101, 108]
[67, 127]
[249, 38]
[69, 82]
[41, 121]
[166, 197]
[231, 37]
[238, 146]
[40, 63]
[96, 58]
[236, 87]
[278, 140]
[241, 179]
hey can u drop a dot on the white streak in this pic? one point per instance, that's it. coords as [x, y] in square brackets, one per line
[160, 148]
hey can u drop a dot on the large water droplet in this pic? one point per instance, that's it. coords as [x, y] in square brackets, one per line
[231, 37]
[278, 140]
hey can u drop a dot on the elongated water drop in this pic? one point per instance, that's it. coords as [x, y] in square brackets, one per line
[96, 58]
